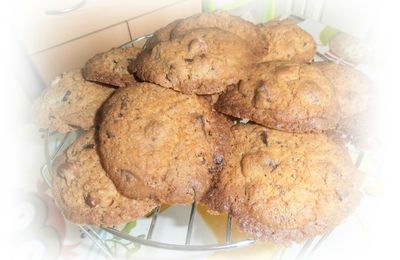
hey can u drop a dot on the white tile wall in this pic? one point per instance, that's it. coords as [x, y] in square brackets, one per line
[352, 16]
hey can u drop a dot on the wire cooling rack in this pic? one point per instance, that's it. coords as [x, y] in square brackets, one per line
[55, 143]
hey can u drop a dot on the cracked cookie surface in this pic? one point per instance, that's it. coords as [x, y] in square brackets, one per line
[246, 30]
[203, 61]
[111, 67]
[352, 87]
[286, 41]
[286, 96]
[159, 143]
[285, 187]
[356, 98]
[70, 103]
[85, 194]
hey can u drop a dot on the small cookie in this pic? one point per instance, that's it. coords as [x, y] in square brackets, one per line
[111, 67]
[162, 144]
[286, 41]
[352, 87]
[285, 96]
[203, 61]
[285, 187]
[85, 194]
[246, 30]
[70, 103]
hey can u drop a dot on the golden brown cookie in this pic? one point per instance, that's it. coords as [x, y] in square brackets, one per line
[159, 143]
[354, 92]
[203, 61]
[85, 194]
[285, 96]
[222, 20]
[352, 87]
[111, 67]
[286, 41]
[70, 103]
[285, 187]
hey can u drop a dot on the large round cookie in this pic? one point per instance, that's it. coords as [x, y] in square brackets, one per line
[85, 194]
[352, 87]
[203, 61]
[111, 67]
[223, 20]
[159, 143]
[286, 41]
[70, 103]
[285, 96]
[285, 187]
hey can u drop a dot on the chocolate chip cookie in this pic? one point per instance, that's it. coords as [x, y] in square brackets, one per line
[286, 41]
[246, 30]
[70, 103]
[285, 187]
[286, 96]
[111, 67]
[85, 194]
[203, 61]
[162, 144]
[353, 89]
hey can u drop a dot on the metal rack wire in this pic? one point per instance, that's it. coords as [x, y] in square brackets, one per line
[92, 233]
[46, 171]
[308, 248]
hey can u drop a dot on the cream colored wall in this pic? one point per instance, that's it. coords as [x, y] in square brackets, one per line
[58, 43]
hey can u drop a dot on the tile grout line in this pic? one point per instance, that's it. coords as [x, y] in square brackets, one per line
[105, 28]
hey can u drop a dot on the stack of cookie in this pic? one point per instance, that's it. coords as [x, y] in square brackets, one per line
[165, 125]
